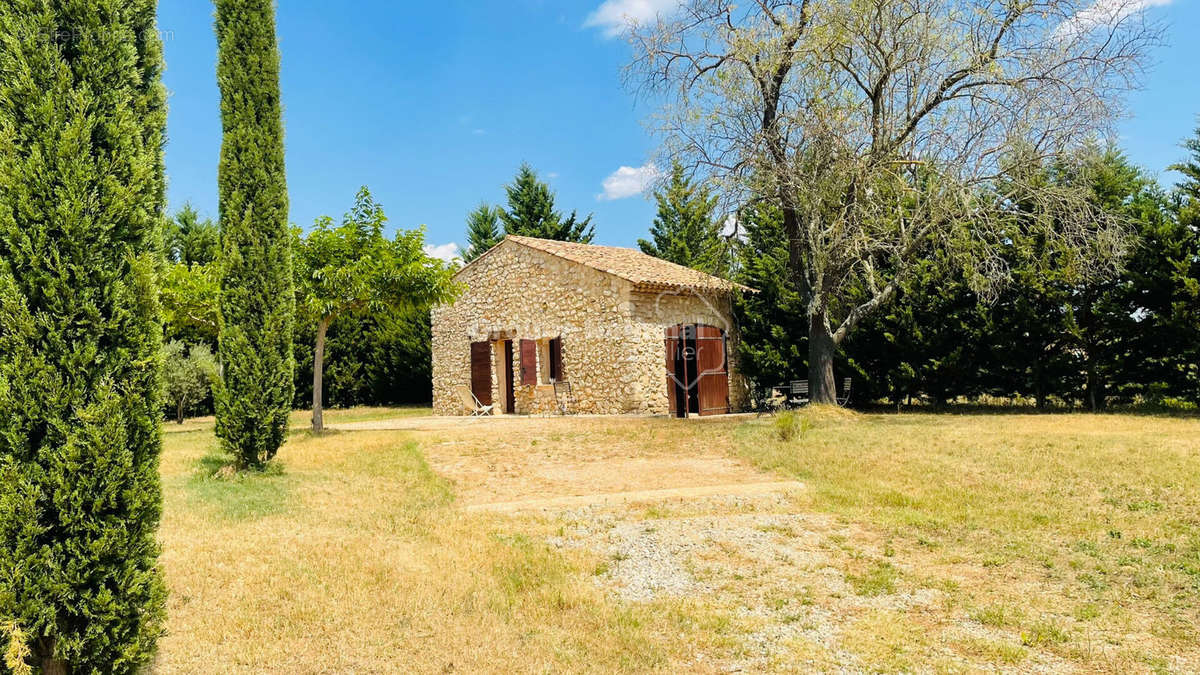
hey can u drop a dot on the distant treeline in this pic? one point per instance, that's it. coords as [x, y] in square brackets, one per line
[380, 357]
[1049, 337]
[1052, 336]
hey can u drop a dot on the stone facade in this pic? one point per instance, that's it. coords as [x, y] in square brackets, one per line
[612, 334]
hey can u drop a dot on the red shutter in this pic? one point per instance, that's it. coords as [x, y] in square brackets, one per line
[556, 359]
[481, 371]
[528, 362]
[673, 389]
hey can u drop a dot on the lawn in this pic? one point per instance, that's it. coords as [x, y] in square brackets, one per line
[918, 543]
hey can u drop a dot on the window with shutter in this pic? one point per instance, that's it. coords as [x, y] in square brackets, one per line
[528, 362]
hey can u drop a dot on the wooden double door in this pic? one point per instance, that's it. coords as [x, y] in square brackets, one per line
[697, 370]
[481, 373]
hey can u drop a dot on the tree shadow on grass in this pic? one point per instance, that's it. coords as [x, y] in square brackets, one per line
[1176, 410]
[240, 495]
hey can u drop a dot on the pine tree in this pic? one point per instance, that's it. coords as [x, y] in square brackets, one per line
[483, 231]
[685, 231]
[82, 118]
[188, 240]
[772, 348]
[1185, 267]
[257, 296]
[531, 212]
[1190, 168]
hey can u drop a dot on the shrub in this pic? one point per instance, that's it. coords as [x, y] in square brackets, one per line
[789, 425]
[188, 375]
[82, 202]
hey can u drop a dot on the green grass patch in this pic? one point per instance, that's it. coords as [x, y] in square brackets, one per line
[1044, 633]
[527, 571]
[994, 651]
[998, 615]
[879, 579]
[239, 495]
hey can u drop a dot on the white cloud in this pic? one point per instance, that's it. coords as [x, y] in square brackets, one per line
[628, 181]
[447, 252]
[1104, 14]
[614, 17]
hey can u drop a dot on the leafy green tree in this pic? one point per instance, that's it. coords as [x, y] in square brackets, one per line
[875, 128]
[1124, 335]
[686, 231]
[82, 201]
[188, 240]
[190, 302]
[1190, 168]
[353, 268]
[257, 300]
[376, 358]
[531, 213]
[483, 231]
[188, 375]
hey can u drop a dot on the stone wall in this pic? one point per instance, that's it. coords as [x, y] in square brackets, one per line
[612, 337]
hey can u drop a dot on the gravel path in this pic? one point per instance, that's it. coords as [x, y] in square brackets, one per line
[611, 498]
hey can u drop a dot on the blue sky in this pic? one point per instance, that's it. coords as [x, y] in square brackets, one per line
[434, 105]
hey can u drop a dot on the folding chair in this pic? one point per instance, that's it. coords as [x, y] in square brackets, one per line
[472, 403]
[562, 396]
[845, 397]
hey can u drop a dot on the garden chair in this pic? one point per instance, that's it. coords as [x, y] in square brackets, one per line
[562, 396]
[770, 400]
[799, 393]
[845, 397]
[472, 403]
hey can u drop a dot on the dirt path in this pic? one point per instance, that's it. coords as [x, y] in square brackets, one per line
[611, 498]
[519, 463]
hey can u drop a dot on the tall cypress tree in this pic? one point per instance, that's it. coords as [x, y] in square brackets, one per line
[82, 117]
[257, 298]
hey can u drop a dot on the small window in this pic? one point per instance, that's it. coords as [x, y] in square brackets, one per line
[544, 376]
[549, 359]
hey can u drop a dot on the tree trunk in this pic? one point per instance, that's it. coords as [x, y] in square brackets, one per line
[51, 665]
[821, 348]
[179, 413]
[1095, 389]
[318, 420]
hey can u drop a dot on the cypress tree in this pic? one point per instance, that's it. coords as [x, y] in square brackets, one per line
[82, 117]
[257, 297]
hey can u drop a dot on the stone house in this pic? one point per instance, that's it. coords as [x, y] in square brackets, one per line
[629, 333]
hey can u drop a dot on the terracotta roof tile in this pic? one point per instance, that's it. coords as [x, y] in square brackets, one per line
[646, 272]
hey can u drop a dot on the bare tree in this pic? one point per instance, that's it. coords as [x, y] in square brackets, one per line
[888, 129]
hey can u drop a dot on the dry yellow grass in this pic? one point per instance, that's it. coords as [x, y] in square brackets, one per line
[1075, 536]
[350, 556]
[922, 543]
